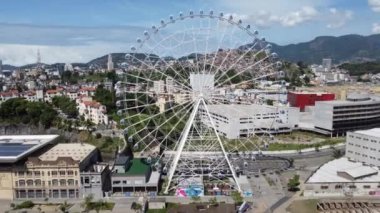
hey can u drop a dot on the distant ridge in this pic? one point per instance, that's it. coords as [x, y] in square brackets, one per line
[346, 48]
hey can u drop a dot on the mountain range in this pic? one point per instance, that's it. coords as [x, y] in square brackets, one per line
[346, 48]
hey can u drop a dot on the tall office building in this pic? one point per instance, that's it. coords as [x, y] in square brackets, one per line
[110, 65]
[1, 66]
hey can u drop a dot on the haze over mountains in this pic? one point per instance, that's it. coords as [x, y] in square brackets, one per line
[347, 48]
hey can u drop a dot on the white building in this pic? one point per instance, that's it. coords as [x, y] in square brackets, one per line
[110, 65]
[364, 146]
[326, 64]
[159, 86]
[68, 67]
[170, 86]
[337, 117]
[202, 83]
[52, 93]
[92, 110]
[235, 121]
[342, 177]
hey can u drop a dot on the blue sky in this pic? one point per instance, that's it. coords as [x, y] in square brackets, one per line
[78, 30]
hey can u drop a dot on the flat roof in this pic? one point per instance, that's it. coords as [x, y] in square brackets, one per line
[328, 173]
[16, 147]
[77, 151]
[232, 110]
[138, 167]
[375, 132]
[359, 172]
[347, 103]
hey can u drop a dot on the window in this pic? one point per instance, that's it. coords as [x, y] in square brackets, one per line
[38, 182]
[352, 187]
[62, 173]
[29, 182]
[62, 182]
[37, 173]
[54, 173]
[338, 186]
[324, 187]
[70, 182]
[366, 187]
[55, 182]
[70, 172]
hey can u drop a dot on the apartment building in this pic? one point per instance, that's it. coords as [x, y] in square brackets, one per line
[92, 110]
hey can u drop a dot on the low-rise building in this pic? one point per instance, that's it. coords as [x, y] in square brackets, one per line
[49, 94]
[236, 120]
[15, 149]
[364, 146]
[343, 177]
[55, 173]
[134, 177]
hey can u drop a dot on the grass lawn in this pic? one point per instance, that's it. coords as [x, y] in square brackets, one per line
[302, 206]
[296, 146]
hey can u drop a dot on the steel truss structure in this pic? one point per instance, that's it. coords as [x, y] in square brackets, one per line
[177, 71]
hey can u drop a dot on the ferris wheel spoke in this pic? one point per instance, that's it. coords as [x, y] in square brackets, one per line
[173, 129]
[166, 121]
[157, 70]
[161, 113]
[240, 72]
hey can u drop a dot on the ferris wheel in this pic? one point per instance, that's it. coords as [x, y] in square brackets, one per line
[184, 104]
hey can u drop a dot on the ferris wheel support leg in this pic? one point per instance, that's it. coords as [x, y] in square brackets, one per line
[182, 144]
[222, 147]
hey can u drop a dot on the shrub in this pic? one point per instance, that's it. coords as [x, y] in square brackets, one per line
[25, 205]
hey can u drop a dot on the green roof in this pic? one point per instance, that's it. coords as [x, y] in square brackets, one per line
[138, 167]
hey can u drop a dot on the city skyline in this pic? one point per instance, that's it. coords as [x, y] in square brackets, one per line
[79, 31]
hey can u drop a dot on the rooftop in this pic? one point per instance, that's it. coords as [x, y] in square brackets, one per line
[233, 110]
[16, 147]
[138, 167]
[347, 102]
[328, 173]
[77, 151]
[370, 132]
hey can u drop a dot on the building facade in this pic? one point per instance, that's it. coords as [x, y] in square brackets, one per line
[238, 121]
[364, 146]
[338, 117]
[55, 173]
[302, 99]
[92, 110]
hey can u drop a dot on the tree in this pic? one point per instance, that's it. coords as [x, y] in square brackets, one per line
[64, 207]
[293, 183]
[236, 196]
[97, 206]
[291, 162]
[87, 202]
[106, 98]
[337, 153]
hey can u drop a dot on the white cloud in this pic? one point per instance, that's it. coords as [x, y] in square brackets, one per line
[375, 5]
[19, 43]
[264, 18]
[376, 28]
[337, 19]
[297, 17]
